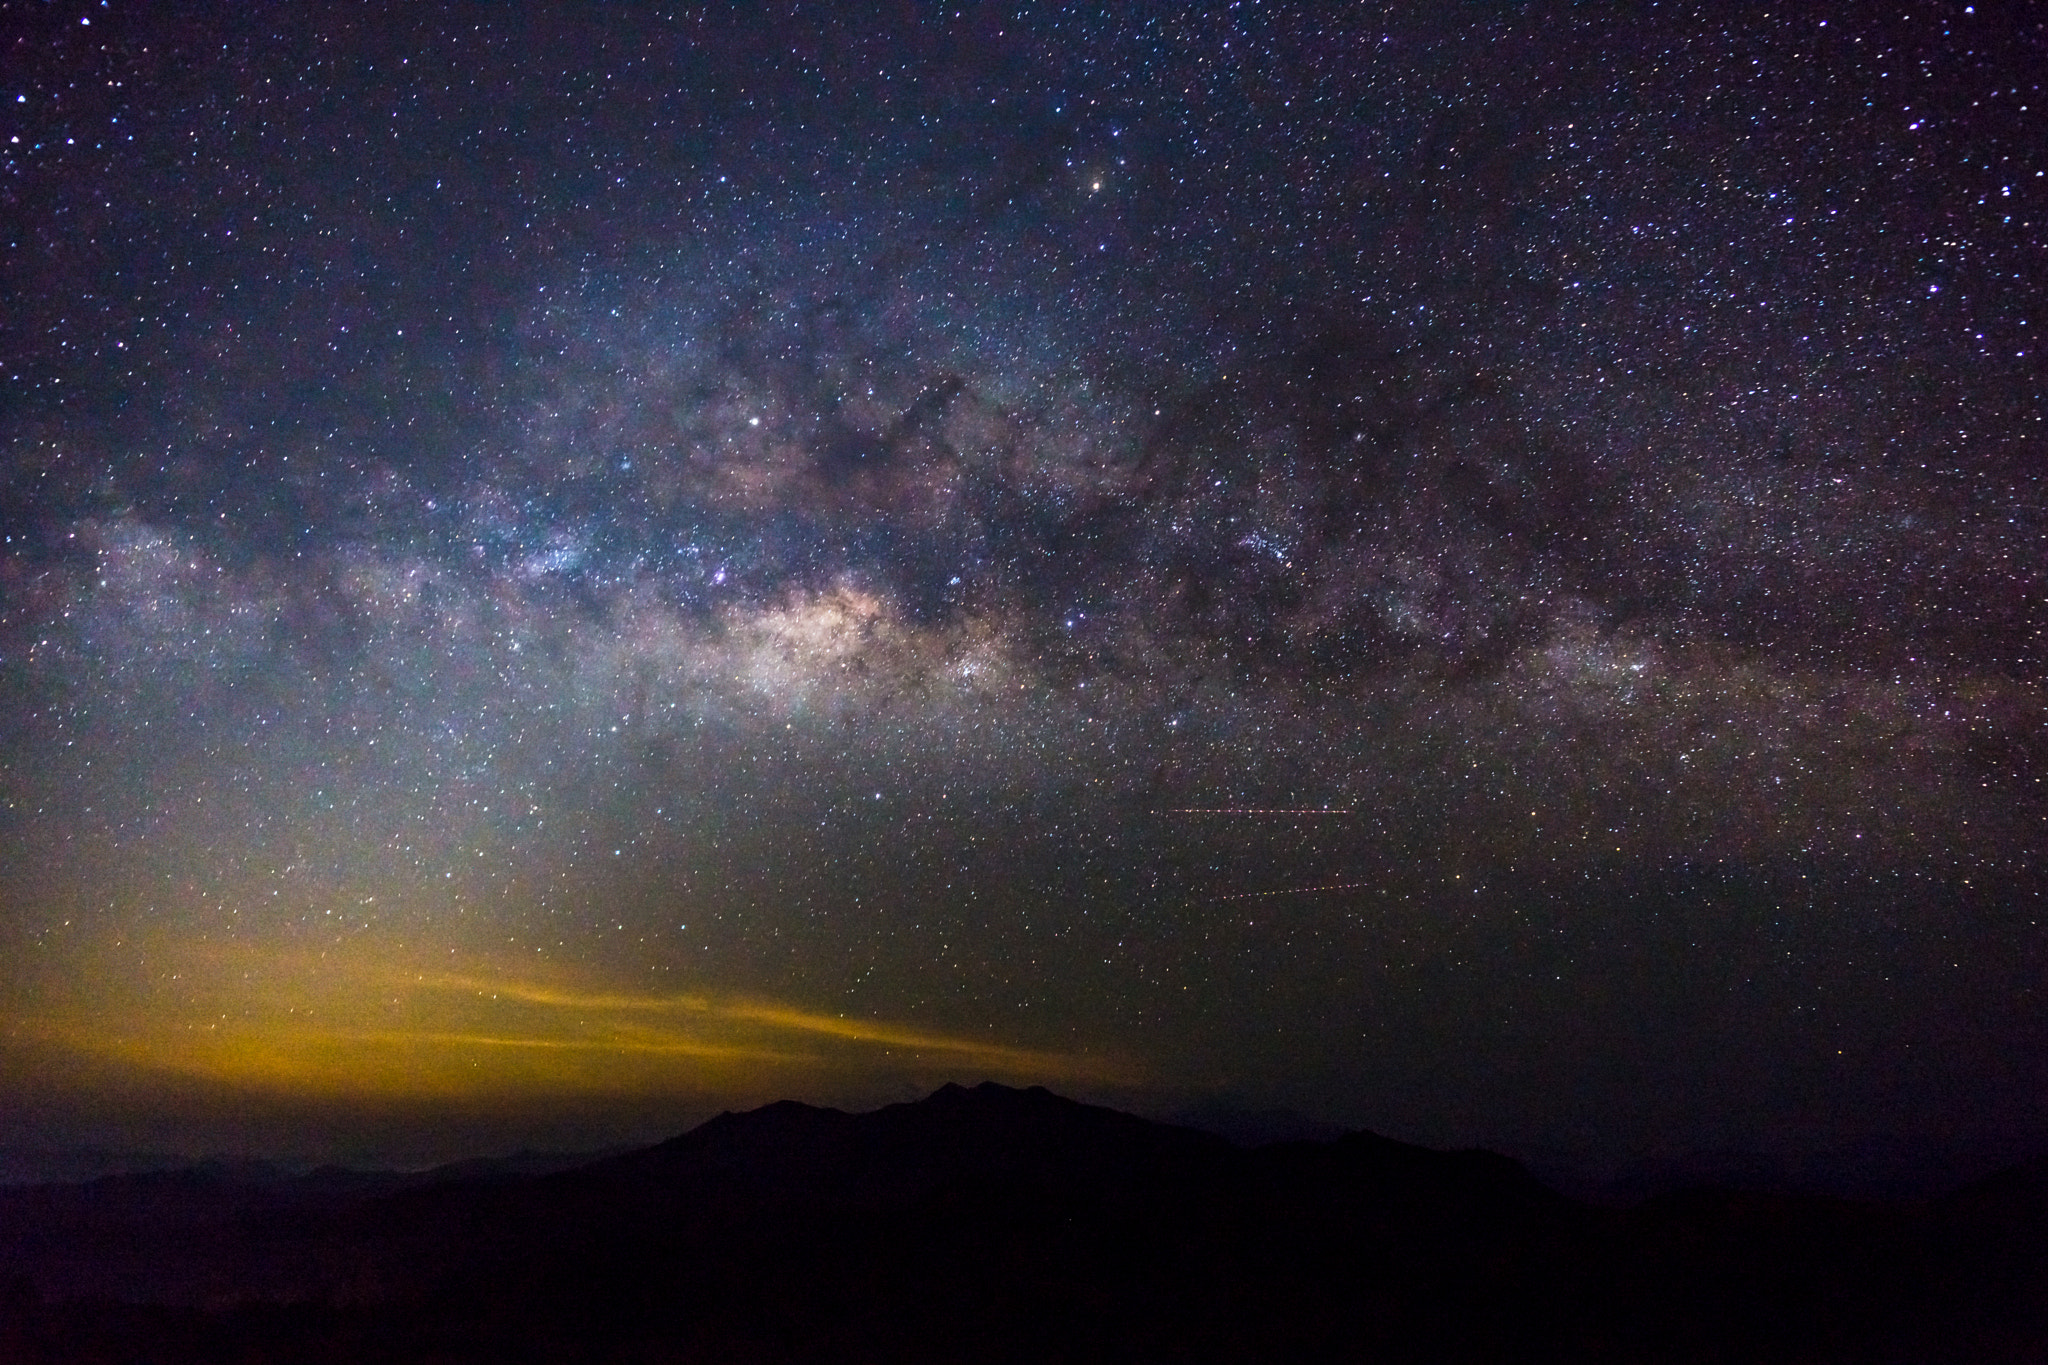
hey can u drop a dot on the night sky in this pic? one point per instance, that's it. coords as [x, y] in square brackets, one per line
[1475, 570]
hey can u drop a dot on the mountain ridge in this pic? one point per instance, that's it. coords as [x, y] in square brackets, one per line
[991, 1223]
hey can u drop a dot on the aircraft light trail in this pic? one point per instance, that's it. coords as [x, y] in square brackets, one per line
[1295, 891]
[1259, 810]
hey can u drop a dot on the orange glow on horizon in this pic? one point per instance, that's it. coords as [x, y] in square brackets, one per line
[373, 1022]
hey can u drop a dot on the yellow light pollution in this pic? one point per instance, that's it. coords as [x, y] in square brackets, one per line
[376, 1023]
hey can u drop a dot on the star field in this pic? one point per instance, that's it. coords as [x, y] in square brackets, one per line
[1476, 571]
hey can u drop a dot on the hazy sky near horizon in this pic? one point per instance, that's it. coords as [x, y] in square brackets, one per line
[1470, 569]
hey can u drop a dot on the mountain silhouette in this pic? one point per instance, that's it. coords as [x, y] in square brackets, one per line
[994, 1224]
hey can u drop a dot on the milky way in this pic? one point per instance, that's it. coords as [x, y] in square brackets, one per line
[1478, 574]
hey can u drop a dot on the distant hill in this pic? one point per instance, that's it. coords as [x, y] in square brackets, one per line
[75, 1165]
[1257, 1127]
[992, 1224]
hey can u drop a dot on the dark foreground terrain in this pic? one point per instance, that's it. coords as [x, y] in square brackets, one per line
[1004, 1225]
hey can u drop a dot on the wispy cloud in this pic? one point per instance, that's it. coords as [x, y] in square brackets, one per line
[372, 1020]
